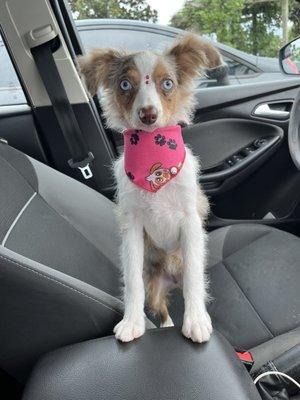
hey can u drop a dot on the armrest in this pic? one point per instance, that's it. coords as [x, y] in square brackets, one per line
[161, 365]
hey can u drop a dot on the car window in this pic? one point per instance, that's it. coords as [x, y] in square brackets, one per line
[10, 89]
[126, 39]
[237, 68]
[138, 40]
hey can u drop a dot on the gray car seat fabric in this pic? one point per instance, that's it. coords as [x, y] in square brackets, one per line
[57, 221]
[40, 311]
[53, 226]
[255, 283]
[254, 274]
[43, 309]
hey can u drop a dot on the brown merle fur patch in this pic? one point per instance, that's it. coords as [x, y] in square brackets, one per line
[126, 70]
[97, 66]
[106, 68]
[169, 99]
[160, 267]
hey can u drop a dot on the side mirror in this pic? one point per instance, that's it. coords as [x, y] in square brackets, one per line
[289, 57]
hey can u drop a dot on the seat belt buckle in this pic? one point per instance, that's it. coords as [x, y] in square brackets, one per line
[246, 358]
[86, 171]
[83, 166]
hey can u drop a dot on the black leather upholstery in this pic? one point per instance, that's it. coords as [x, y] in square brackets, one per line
[161, 365]
[59, 277]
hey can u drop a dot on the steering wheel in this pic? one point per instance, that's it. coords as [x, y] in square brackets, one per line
[294, 131]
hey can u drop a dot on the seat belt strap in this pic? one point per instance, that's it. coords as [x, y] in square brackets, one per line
[42, 53]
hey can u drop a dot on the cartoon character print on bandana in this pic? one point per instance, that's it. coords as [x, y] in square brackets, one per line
[159, 175]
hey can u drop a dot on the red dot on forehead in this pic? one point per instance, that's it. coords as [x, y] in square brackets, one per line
[147, 76]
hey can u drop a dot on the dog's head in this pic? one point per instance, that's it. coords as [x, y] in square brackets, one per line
[145, 90]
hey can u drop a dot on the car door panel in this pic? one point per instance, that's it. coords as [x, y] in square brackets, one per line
[225, 166]
[227, 95]
[267, 192]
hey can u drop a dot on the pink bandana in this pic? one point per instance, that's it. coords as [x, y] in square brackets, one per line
[152, 159]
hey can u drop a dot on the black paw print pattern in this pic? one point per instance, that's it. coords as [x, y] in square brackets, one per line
[172, 144]
[130, 176]
[160, 140]
[134, 138]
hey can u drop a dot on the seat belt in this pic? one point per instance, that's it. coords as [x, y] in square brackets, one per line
[43, 42]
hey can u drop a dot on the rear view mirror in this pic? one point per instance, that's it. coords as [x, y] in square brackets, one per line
[289, 57]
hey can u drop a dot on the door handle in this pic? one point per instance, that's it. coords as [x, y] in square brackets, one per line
[264, 110]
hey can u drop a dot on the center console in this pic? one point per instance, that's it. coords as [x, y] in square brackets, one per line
[161, 365]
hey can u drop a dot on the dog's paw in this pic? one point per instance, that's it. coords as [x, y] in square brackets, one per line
[127, 330]
[197, 329]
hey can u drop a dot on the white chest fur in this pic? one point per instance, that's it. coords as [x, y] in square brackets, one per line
[172, 218]
[162, 212]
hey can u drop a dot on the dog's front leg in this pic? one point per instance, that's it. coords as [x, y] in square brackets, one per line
[196, 323]
[132, 325]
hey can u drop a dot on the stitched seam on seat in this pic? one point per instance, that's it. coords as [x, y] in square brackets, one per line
[57, 213]
[60, 283]
[70, 222]
[78, 232]
[226, 229]
[84, 237]
[248, 244]
[248, 300]
[20, 213]
[35, 189]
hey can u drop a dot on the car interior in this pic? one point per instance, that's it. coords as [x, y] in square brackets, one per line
[60, 287]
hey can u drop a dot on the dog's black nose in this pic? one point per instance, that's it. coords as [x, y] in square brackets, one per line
[148, 115]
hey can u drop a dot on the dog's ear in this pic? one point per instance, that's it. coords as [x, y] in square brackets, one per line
[191, 53]
[96, 67]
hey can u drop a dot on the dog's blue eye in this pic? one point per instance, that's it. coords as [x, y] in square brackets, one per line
[125, 85]
[167, 84]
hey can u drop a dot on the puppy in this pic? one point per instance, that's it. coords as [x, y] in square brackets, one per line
[161, 207]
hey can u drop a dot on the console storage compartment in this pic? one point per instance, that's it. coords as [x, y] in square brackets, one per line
[161, 365]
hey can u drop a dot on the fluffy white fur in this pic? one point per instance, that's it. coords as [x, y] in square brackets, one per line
[173, 216]
[178, 226]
